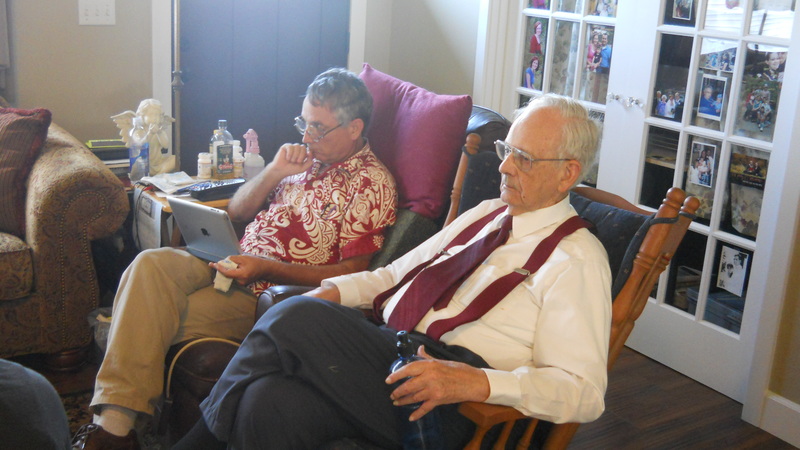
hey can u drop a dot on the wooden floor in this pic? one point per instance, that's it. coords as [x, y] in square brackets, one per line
[648, 406]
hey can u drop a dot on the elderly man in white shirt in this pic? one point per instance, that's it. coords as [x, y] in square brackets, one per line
[541, 349]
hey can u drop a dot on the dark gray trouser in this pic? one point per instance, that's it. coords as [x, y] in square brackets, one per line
[310, 372]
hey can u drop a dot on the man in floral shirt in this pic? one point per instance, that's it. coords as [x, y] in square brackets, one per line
[318, 210]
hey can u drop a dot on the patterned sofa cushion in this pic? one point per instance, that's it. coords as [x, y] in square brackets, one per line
[22, 134]
[16, 265]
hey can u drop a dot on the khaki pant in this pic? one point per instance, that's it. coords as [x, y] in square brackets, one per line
[165, 296]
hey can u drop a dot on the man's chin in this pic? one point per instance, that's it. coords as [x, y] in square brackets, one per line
[507, 197]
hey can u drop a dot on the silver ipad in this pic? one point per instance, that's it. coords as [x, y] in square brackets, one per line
[208, 231]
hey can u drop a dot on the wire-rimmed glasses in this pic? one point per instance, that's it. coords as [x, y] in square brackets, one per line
[522, 159]
[314, 131]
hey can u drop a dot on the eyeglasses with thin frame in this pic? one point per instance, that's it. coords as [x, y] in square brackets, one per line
[315, 132]
[522, 159]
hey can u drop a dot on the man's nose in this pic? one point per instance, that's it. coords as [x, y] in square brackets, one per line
[507, 166]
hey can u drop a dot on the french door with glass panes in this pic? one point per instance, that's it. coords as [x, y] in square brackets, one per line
[694, 97]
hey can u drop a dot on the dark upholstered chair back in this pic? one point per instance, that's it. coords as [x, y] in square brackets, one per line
[621, 232]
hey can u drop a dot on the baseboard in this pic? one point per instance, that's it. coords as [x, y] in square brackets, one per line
[780, 418]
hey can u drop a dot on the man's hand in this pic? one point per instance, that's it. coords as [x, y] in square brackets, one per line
[248, 270]
[328, 291]
[437, 382]
[291, 159]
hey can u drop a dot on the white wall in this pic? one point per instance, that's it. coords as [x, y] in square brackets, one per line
[431, 43]
[83, 74]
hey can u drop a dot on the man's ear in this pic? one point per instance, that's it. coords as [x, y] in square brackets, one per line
[356, 128]
[569, 175]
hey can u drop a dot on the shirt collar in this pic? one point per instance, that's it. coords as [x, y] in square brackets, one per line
[349, 165]
[530, 222]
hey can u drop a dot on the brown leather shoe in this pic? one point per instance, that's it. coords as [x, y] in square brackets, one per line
[94, 437]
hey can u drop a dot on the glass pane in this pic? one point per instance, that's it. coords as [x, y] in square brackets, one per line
[603, 8]
[539, 4]
[746, 179]
[760, 90]
[590, 177]
[725, 301]
[701, 173]
[724, 15]
[594, 84]
[683, 281]
[565, 58]
[533, 54]
[714, 75]
[573, 6]
[523, 100]
[671, 76]
[772, 18]
[659, 165]
[680, 12]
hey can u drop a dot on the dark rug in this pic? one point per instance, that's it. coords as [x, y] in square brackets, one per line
[76, 405]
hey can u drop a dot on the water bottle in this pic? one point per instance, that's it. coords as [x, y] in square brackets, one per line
[138, 152]
[253, 161]
[423, 433]
[222, 152]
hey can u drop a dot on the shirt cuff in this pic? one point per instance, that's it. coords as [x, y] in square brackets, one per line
[347, 287]
[504, 388]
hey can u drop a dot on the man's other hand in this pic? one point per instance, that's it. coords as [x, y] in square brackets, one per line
[248, 271]
[435, 382]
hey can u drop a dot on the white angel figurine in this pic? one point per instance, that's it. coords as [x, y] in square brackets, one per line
[155, 132]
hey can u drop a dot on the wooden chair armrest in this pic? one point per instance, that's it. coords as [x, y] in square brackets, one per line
[486, 415]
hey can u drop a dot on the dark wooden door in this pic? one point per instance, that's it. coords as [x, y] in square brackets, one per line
[249, 62]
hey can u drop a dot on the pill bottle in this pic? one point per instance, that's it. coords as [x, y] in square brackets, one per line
[238, 160]
[204, 166]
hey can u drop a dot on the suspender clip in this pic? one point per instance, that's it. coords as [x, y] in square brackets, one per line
[522, 272]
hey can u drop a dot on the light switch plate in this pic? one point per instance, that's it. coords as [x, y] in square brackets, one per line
[97, 12]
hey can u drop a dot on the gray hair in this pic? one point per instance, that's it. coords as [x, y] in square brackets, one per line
[580, 136]
[344, 93]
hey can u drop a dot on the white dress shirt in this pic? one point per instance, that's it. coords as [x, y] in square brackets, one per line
[547, 341]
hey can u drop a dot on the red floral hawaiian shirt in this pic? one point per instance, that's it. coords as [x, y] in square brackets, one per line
[324, 216]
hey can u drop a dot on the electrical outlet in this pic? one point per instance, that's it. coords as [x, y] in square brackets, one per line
[97, 12]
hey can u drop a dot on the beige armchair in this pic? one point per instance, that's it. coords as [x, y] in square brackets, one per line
[48, 283]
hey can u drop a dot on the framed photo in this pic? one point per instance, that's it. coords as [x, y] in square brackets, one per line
[759, 92]
[539, 4]
[712, 97]
[732, 270]
[727, 59]
[701, 170]
[682, 9]
[531, 72]
[718, 55]
[668, 103]
[597, 63]
[603, 8]
[533, 54]
[746, 180]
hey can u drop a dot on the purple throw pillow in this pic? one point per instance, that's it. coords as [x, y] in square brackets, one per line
[418, 135]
